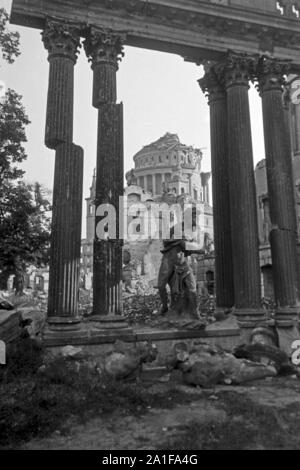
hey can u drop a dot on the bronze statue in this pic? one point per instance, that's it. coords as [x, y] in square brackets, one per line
[176, 272]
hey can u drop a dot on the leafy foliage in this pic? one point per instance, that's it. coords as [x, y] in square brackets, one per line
[13, 120]
[24, 227]
[9, 41]
[24, 208]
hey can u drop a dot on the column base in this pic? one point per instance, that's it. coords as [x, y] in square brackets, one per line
[252, 318]
[221, 313]
[266, 335]
[64, 329]
[287, 317]
[249, 320]
[113, 323]
[63, 321]
[288, 328]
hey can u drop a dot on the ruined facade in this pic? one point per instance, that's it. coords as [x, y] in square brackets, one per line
[237, 42]
[166, 171]
[292, 109]
[168, 165]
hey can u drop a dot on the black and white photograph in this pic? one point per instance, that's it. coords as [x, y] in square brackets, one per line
[149, 228]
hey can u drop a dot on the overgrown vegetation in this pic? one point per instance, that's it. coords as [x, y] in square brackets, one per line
[37, 400]
[247, 426]
[9, 40]
[24, 208]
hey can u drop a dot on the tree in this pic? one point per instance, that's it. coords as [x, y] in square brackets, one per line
[13, 120]
[24, 208]
[24, 230]
[9, 41]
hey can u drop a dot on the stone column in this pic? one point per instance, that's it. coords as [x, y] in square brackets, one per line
[147, 188]
[283, 237]
[153, 184]
[243, 211]
[205, 177]
[216, 93]
[62, 42]
[66, 235]
[287, 106]
[296, 119]
[104, 50]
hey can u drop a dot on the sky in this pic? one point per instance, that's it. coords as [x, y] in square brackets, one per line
[159, 91]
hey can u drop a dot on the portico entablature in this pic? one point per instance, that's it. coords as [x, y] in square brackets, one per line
[194, 29]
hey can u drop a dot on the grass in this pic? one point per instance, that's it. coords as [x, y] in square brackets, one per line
[36, 401]
[247, 426]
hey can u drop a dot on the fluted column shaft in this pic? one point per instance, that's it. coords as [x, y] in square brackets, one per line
[220, 184]
[297, 127]
[283, 236]
[62, 43]
[104, 50]
[66, 233]
[244, 225]
[109, 187]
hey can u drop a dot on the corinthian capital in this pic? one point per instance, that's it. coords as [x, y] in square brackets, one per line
[270, 74]
[104, 46]
[238, 69]
[61, 40]
[212, 84]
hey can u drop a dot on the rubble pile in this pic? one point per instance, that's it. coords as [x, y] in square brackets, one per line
[29, 298]
[141, 303]
[85, 302]
[206, 366]
[125, 361]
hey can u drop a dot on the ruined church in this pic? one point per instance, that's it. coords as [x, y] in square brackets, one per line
[165, 171]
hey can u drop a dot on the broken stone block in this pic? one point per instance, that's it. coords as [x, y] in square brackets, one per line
[241, 371]
[206, 367]
[71, 352]
[32, 320]
[9, 325]
[120, 365]
[5, 305]
[125, 361]
[205, 373]
[267, 354]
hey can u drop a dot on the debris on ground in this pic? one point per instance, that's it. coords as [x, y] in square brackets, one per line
[72, 352]
[32, 320]
[85, 302]
[206, 366]
[266, 354]
[142, 306]
[126, 362]
[5, 305]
